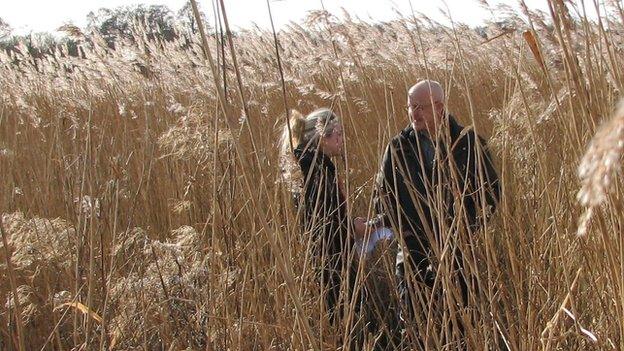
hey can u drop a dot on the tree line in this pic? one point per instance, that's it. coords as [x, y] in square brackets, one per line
[156, 22]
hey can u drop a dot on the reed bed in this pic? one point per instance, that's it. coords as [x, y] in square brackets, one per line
[141, 211]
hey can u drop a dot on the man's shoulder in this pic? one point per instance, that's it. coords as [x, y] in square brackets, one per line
[464, 134]
[402, 137]
[465, 141]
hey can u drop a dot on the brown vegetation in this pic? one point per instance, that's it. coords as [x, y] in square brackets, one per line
[139, 213]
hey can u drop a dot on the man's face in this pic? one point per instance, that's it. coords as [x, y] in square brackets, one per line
[422, 114]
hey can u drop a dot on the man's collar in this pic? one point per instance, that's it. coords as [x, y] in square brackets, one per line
[451, 124]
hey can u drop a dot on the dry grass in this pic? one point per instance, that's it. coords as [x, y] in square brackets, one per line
[130, 195]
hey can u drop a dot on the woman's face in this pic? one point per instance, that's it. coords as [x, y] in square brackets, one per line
[331, 145]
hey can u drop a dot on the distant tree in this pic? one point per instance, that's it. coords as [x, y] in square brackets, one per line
[71, 47]
[38, 44]
[156, 20]
[69, 42]
[33, 46]
[5, 29]
[186, 18]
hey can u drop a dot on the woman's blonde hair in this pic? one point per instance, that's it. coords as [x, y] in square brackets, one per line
[303, 132]
[307, 131]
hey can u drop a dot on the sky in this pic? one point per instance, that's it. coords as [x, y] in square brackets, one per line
[27, 16]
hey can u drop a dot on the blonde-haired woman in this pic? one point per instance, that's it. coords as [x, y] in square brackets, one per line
[308, 145]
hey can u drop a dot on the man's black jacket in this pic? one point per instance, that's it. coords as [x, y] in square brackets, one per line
[419, 185]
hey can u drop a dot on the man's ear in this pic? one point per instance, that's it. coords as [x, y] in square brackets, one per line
[439, 107]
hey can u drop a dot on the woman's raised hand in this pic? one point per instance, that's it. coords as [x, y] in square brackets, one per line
[361, 227]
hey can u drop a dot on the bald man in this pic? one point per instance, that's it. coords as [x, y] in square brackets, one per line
[425, 103]
[436, 184]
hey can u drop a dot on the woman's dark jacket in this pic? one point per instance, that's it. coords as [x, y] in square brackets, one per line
[324, 206]
[325, 218]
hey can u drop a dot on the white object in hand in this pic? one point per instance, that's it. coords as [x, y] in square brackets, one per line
[365, 246]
